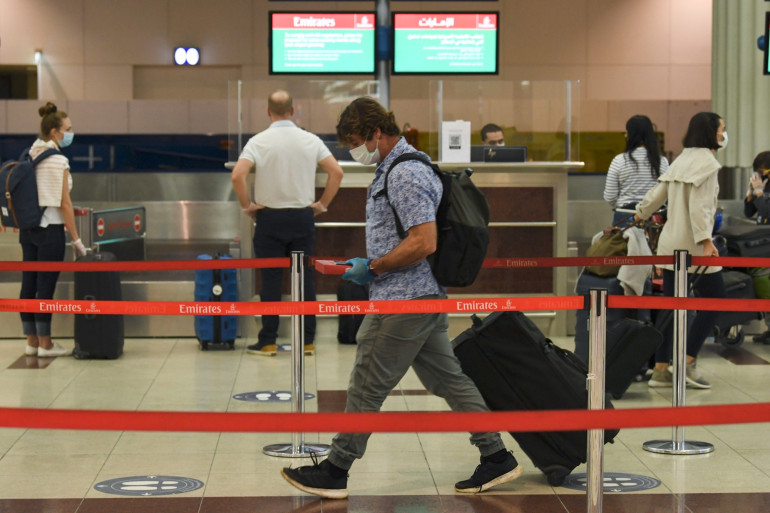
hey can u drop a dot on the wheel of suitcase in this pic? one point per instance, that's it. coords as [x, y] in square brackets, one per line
[732, 337]
[556, 475]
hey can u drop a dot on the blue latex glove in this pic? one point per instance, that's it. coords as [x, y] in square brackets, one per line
[359, 272]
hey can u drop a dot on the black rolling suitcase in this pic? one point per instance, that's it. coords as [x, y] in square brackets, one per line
[349, 324]
[515, 367]
[630, 346]
[747, 240]
[587, 281]
[98, 336]
[738, 285]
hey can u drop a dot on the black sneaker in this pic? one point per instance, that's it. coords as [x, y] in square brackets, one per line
[489, 474]
[318, 480]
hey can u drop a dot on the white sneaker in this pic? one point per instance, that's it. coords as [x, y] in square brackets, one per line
[30, 351]
[56, 350]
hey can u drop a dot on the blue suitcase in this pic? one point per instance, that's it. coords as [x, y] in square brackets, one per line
[212, 285]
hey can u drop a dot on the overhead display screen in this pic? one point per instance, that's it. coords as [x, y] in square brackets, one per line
[322, 42]
[445, 43]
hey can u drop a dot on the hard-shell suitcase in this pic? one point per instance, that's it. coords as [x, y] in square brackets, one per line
[98, 336]
[349, 324]
[630, 345]
[216, 285]
[747, 240]
[515, 367]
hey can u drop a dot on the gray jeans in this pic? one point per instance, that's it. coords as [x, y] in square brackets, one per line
[387, 346]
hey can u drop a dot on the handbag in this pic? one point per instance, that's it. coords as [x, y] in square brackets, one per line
[611, 243]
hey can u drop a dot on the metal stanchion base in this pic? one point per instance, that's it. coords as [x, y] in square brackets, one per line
[671, 447]
[288, 450]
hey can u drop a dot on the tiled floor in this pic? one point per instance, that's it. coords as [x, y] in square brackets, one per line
[56, 471]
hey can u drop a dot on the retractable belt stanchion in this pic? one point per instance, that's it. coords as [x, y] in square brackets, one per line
[678, 445]
[597, 329]
[297, 448]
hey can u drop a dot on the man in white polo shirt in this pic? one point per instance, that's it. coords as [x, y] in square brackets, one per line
[284, 206]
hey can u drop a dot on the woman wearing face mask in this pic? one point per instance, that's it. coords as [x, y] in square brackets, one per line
[690, 186]
[46, 243]
[757, 199]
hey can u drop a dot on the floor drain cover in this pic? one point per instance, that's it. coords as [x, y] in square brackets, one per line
[614, 482]
[146, 486]
[268, 396]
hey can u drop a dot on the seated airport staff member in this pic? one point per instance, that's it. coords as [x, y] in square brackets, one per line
[389, 344]
[285, 157]
[757, 199]
[492, 135]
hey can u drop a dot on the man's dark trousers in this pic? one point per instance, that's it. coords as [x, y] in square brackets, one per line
[278, 233]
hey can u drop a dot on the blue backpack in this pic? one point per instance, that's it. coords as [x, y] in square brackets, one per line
[19, 205]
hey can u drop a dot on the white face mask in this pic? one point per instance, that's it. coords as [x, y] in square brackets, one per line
[723, 142]
[363, 156]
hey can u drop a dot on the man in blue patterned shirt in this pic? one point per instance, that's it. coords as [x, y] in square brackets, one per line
[396, 269]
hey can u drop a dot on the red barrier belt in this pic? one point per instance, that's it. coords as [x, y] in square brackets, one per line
[731, 261]
[524, 263]
[689, 303]
[160, 265]
[528, 304]
[257, 263]
[292, 308]
[384, 422]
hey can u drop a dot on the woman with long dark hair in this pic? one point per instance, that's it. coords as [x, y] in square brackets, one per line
[636, 170]
[691, 188]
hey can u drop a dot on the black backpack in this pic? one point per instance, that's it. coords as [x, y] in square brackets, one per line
[19, 204]
[461, 222]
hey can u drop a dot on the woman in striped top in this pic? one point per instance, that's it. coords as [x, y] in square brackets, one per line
[46, 243]
[635, 171]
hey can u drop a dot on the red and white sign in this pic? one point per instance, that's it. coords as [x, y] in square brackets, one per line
[137, 223]
[321, 21]
[439, 21]
[100, 227]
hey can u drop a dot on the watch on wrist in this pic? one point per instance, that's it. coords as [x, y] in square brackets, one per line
[369, 268]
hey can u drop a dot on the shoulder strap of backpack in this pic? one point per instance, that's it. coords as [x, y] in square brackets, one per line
[47, 153]
[404, 157]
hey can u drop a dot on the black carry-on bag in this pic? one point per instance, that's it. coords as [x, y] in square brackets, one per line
[587, 281]
[349, 324]
[729, 328]
[630, 345]
[515, 367]
[747, 240]
[98, 336]
[630, 342]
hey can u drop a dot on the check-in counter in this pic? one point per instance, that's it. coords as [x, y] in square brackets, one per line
[192, 213]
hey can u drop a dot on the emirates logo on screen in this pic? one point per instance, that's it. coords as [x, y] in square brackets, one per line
[365, 22]
[310, 21]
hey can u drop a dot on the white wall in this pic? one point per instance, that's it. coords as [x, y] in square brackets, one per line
[109, 61]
